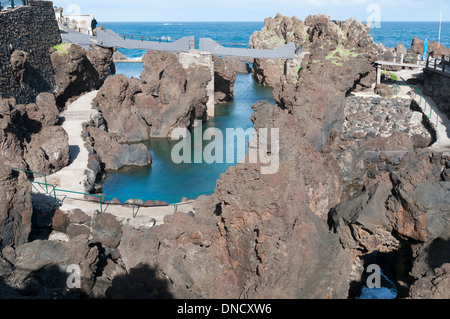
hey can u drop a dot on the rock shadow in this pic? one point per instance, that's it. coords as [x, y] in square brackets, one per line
[74, 151]
[44, 207]
[438, 253]
[425, 121]
[47, 283]
[141, 282]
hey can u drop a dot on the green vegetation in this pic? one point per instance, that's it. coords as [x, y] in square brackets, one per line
[390, 76]
[340, 55]
[62, 48]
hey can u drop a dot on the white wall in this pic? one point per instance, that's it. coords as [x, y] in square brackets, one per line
[84, 21]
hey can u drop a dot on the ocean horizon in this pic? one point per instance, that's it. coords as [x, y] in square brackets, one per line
[390, 33]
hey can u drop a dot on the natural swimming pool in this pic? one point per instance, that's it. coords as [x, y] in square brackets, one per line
[167, 181]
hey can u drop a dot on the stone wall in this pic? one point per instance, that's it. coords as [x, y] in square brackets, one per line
[437, 86]
[26, 35]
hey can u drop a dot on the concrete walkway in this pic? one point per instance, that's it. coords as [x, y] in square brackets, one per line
[72, 177]
[437, 117]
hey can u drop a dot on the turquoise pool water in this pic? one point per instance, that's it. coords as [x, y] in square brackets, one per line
[167, 181]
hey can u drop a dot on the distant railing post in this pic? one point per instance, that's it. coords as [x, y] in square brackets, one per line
[54, 193]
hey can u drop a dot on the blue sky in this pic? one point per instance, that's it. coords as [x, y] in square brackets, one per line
[257, 10]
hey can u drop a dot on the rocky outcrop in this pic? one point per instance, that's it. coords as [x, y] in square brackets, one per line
[102, 60]
[261, 230]
[225, 69]
[77, 71]
[11, 131]
[433, 286]
[115, 100]
[338, 41]
[185, 255]
[224, 78]
[115, 155]
[402, 205]
[15, 206]
[168, 97]
[43, 113]
[48, 151]
[30, 137]
[317, 99]
[434, 48]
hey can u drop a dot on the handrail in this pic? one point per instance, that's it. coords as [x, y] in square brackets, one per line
[30, 172]
[444, 60]
[418, 91]
[159, 198]
[145, 37]
[100, 196]
[13, 4]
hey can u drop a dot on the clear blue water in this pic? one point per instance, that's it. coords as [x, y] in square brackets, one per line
[392, 33]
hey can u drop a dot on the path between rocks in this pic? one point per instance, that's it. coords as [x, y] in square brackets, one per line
[443, 128]
[72, 177]
[443, 123]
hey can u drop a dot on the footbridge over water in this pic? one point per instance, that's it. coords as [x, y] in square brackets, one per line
[110, 39]
[188, 49]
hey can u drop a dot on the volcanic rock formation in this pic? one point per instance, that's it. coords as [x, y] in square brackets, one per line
[339, 41]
